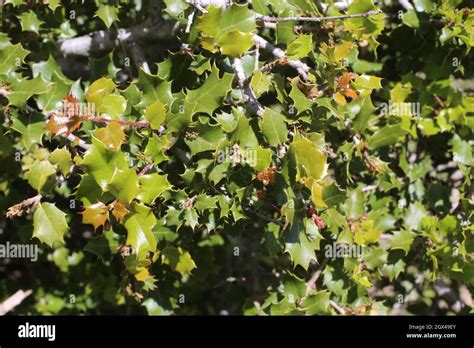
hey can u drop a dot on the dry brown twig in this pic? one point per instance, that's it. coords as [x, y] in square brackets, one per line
[26, 206]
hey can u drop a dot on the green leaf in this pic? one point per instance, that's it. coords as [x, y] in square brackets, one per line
[237, 17]
[365, 114]
[209, 96]
[244, 133]
[413, 216]
[112, 136]
[191, 218]
[124, 185]
[156, 148]
[263, 158]
[175, 7]
[333, 195]
[309, 161]
[30, 22]
[178, 259]
[354, 205]
[89, 192]
[207, 139]
[101, 162]
[368, 82]
[293, 288]
[393, 270]
[49, 224]
[24, 89]
[113, 105]
[155, 113]
[274, 127]
[99, 90]
[31, 130]
[58, 91]
[154, 89]
[260, 83]
[104, 246]
[386, 136]
[297, 243]
[139, 224]
[316, 303]
[402, 240]
[301, 47]
[62, 158]
[301, 102]
[108, 14]
[208, 22]
[410, 18]
[235, 43]
[462, 151]
[53, 4]
[366, 233]
[375, 257]
[368, 27]
[153, 185]
[12, 57]
[40, 174]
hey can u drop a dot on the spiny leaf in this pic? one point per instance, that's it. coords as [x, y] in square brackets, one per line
[49, 224]
[139, 225]
[153, 185]
[96, 214]
[12, 57]
[178, 259]
[235, 43]
[111, 136]
[108, 14]
[30, 22]
[155, 113]
[124, 185]
[40, 174]
[309, 161]
[274, 127]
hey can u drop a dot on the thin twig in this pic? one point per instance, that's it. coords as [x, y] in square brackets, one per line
[310, 284]
[190, 20]
[301, 67]
[263, 217]
[317, 19]
[137, 124]
[25, 206]
[13, 301]
[257, 57]
[75, 139]
[145, 169]
[253, 106]
[338, 308]
[369, 188]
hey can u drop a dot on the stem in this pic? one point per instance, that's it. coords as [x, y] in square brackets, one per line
[311, 283]
[264, 217]
[26, 206]
[253, 106]
[338, 308]
[301, 67]
[316, 19]
[13, 301]
[74, 139]
[138, 124]
[145, 169]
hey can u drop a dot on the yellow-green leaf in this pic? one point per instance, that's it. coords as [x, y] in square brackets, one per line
[155, 114]
[49, 224]
[111, 136]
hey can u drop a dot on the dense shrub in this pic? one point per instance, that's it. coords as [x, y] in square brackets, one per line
[187, 158]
